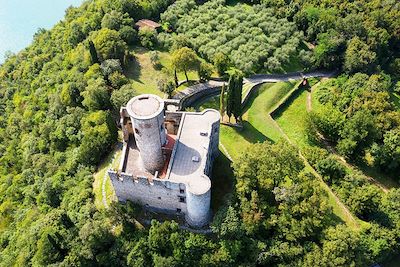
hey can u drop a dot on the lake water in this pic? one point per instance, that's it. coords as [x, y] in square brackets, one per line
[20, 19]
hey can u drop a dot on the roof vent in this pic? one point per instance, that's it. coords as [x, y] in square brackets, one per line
[195, 159]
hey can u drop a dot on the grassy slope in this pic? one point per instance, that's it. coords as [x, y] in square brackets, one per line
[144, 77]
[111, 161]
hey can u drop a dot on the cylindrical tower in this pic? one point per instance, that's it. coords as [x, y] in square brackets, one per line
[147, 116]
[198, 200]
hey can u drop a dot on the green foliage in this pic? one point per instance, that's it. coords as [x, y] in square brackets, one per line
[185, 59]
[96, 95]
[128, 34]
[166, 86]
[331, 170]
[205, 70]
[148, 37]
[251, 35]
[119, 98]
[234, 96]
[109, 44]
[358, 56]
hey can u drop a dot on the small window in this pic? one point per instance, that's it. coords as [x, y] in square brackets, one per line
[182, 191]
[181, 199]
[195, 159]
[178, 210]
[203, 133]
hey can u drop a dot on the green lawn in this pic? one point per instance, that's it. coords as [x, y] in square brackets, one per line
[144, 76]
[292, 119]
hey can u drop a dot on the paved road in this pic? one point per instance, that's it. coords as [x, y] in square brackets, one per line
[272, 78]
[197, 88]
[254, 80]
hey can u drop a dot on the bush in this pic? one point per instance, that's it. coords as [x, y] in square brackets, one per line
[117, 79]
[155, 60]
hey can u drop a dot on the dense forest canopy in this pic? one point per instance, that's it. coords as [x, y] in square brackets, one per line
[59, 99]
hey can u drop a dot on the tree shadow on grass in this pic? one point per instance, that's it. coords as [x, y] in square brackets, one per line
[282, 108]
[222, 181]
[134, 70]
[251, 134]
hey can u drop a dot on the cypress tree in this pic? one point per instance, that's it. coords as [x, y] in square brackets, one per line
[230, 96]
[237, 98]
[93, 52]
[222, 102]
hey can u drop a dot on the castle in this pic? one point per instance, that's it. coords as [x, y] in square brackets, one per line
[167, 159]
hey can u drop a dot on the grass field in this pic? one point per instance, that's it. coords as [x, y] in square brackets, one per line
[257, 125]
[144, 76]
[292, 120]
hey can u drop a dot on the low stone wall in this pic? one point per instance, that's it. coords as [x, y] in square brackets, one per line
[283, 103]
[189, 100]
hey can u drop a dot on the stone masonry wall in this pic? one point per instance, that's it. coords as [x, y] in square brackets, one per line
[160, 195]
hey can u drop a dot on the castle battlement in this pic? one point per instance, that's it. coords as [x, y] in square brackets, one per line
[167, 158]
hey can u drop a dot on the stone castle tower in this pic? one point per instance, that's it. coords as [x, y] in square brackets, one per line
[147, 116]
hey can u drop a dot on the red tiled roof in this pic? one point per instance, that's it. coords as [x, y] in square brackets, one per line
[147, 23]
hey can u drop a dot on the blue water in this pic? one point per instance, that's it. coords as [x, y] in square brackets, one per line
[20, 19]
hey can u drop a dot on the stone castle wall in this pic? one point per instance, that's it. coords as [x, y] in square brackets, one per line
[157, 194]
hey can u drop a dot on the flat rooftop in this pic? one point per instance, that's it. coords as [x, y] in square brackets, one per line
[145, 106]
[188, 163]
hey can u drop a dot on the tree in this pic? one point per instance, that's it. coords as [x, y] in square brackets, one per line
[234, 97]
[387, 156]
[148, 37]
[205, 71]
[330, 49]
[221, 63]
[112, 20]
[340, 247]
[119, 98]
[128, 34]
[110, 66]
[155, 59]
[109, 44]
[260, 169]
[166, 86]
[93, 52]
[357, 134]
[222, 102]
[185, 59]
[359, 57]
[96, 96]
[331, 170]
